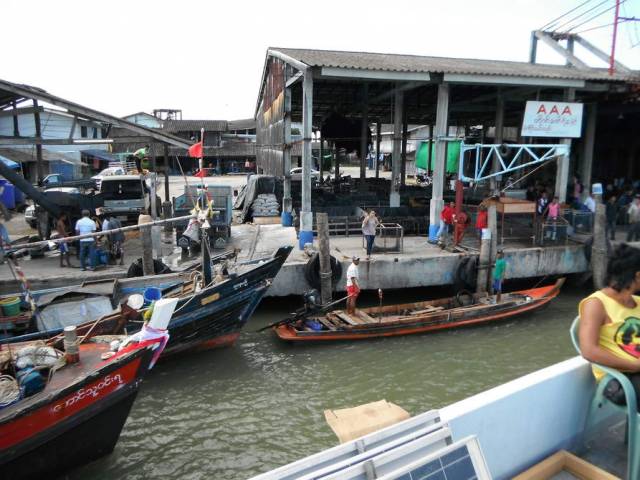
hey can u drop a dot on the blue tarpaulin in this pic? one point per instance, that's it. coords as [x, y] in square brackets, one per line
[9, 163]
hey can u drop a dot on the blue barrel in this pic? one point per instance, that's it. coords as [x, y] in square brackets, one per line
[8, 197]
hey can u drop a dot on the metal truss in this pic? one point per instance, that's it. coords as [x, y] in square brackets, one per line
[510, 158]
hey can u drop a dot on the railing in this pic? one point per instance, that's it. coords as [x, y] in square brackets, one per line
[386, 234]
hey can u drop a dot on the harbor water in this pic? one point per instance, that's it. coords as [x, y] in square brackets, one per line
[240, 411]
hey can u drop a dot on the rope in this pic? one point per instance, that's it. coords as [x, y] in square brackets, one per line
[9, 390]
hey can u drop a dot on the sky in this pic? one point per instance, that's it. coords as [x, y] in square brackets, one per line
[206, 57]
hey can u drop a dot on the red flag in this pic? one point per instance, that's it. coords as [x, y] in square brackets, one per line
[195, 151]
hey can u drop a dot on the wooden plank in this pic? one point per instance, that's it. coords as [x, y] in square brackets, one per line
[343, 316]
[430, 309]
[326, 323]
[366, 318]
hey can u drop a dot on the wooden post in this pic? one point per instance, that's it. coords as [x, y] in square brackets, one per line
[439, 167]
[39, 166]
[364, 130]
[396, 159]
[322, 221]
[336, 153]
[599, 247]
[378, 140]
[484, 262]
[403, 148]
[492, 223]
[147, 250]
[166, 205]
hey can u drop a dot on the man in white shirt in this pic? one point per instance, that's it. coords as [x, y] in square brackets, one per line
[590, 203]
[83, 226]
[353, 285]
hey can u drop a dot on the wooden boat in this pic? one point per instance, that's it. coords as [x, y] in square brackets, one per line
[419, 317]
[78, 416]
[204, 318]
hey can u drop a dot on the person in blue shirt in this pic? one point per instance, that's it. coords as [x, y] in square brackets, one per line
[87, 245]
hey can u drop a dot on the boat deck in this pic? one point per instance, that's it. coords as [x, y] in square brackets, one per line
[607, 449]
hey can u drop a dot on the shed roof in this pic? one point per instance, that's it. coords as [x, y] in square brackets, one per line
[423, 64]
[243, 124]
[193, 125]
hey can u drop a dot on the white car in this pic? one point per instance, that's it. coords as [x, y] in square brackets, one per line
[107, 172]
[296, 174]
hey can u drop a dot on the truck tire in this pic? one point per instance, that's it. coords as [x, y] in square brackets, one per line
[135, 269]
[312, 271]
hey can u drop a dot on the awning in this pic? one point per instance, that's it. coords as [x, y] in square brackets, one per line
[100, 154]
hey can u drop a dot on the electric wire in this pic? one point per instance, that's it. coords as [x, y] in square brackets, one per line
[555, 20]
[593, 17]
[568, 22]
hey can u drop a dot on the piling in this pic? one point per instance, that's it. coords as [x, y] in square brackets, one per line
[492, 222]
[599, 247]
[322, 221]
[71, 347]
[147, 250]
[484, 261]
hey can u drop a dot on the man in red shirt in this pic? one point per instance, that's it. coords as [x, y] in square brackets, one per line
[446, 219]
[481, 220]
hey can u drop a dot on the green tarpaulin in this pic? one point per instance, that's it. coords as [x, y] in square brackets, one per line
[453, 156]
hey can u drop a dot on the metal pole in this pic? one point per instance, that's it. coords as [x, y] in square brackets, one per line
[612, 57]
[403, 148]
[322, 221]
[562, 176]
[306, 217]
[588, 145]
[36, 118]
[498, 139]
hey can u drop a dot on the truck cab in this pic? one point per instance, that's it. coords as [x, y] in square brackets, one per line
[124, 196]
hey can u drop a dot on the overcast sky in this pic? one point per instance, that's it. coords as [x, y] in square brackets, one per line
[206, 57]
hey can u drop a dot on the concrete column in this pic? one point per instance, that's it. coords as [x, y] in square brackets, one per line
[306, 217]
[403, 149]
[587, 146]
[286, 218]
[322, 221]
[396, 158]
[599, 247]
[562, 175]
[364, 130]
[484, 262]
[378, 140]
[498, 139]
[442, 117]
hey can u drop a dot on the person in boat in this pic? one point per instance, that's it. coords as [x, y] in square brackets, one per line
[609, 329]
[498, 274]
[353, 285]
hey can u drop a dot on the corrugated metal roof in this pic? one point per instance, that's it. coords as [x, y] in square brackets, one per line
[243, 124]
[194, 125]
[421, 64]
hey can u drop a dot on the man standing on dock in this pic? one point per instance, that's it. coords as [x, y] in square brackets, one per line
[353, 286]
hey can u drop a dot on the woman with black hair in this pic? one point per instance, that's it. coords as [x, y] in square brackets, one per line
[609, 332]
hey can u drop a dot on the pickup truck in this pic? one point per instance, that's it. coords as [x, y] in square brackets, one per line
[57, 180]
[124, 196]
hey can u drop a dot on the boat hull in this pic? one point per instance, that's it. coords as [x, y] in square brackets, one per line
[74, 425]
[541, 297]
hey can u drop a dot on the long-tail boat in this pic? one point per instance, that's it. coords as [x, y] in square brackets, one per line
[412, 318]
[78, 415]
[206, 316]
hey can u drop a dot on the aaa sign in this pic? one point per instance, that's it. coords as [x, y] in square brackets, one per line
[552, 119]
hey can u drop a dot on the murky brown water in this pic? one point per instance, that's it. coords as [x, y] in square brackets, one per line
[237, 412]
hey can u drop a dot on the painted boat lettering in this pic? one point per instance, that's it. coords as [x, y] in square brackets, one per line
[210, 298]
[242, 284]
[92, 391]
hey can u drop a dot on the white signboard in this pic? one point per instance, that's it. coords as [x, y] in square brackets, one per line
[552, 119]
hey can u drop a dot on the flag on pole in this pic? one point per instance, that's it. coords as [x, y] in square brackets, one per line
[195, 151]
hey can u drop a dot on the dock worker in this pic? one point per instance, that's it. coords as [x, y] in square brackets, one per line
[61, 227]
[498, 274]
[446, 219]
[609, 330]
[87, 245]
[142, 158]
[353, 285]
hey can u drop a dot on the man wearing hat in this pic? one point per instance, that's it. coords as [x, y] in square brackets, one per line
[353, 287]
